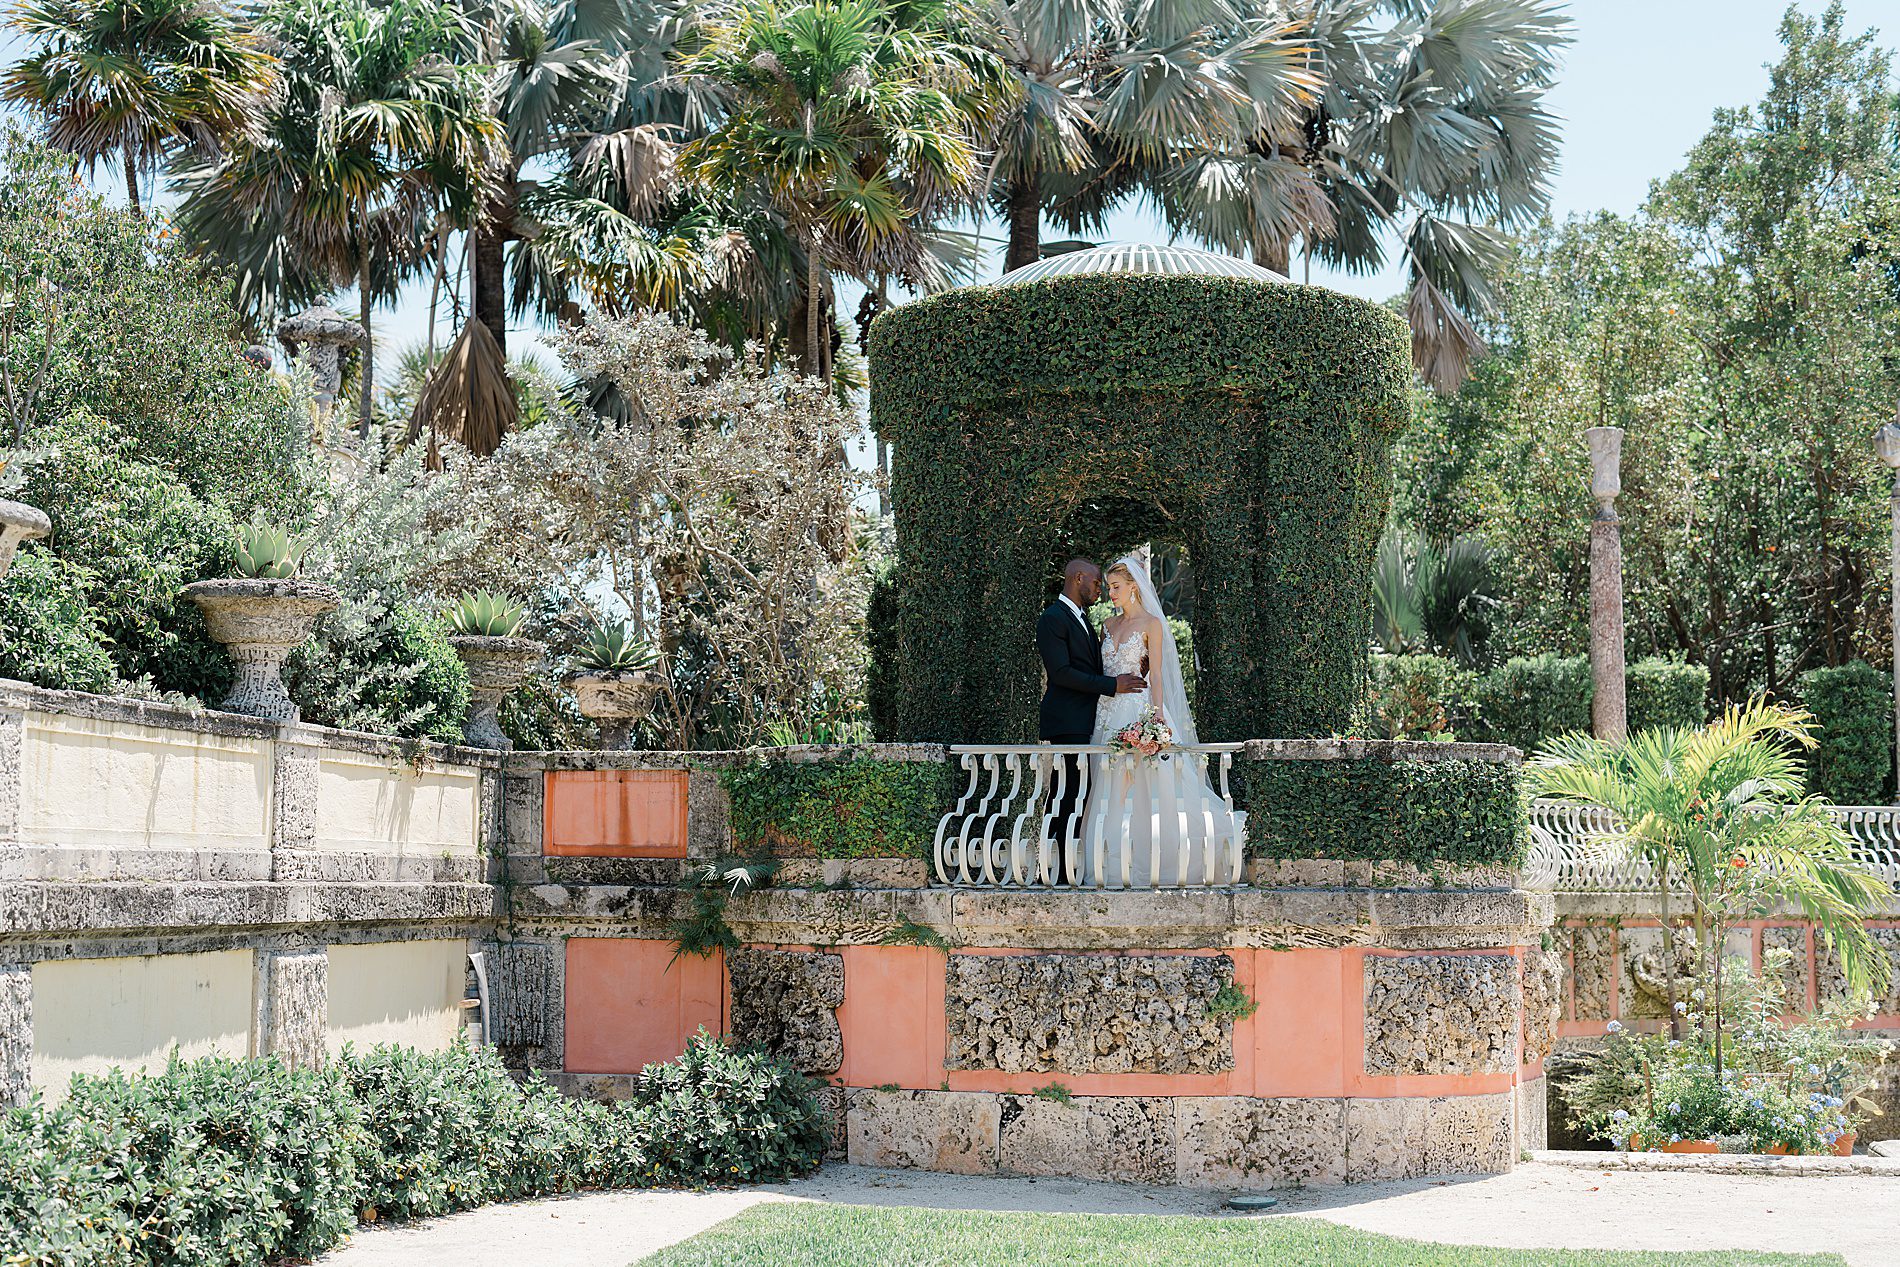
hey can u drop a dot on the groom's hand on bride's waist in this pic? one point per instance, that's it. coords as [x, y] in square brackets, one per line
[1129, 683]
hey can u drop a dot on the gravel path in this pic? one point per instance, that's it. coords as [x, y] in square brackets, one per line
[1533, 1206]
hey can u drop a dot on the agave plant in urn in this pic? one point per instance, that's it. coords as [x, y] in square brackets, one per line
[613, 682]
[261, 615]
[485, 626]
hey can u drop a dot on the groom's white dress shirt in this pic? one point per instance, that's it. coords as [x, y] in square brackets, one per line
[1079, 614]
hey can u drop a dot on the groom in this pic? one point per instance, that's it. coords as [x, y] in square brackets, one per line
[1073, 658]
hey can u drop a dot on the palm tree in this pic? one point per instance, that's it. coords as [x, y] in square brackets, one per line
[852, 120]
[1721, 810]
[1102, 93]
[1431, 129]
[377, 130]
[583, 87]
[145, 79]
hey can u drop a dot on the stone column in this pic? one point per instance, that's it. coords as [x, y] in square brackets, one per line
[296, 766]
[1608, 716]
[16, 1032]
[292, 1020]
[1887, 445]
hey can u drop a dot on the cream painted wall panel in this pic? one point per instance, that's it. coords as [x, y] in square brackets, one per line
[369, 804]
[397, 992]
[92, 1014]
[120, 785]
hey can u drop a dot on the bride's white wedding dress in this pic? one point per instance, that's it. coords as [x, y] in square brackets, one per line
[1176, 828]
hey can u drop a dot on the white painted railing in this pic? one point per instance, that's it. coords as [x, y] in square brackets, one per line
[1566, 856]
[1174, 827]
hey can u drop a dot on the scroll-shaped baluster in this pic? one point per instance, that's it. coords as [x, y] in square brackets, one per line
[1032, 819]
[1073, 832]
[948, 827]
[1236, 832]
[1009, 763]
[1191, 796]
[1095, 838]
[972, 826]
[1125, 837]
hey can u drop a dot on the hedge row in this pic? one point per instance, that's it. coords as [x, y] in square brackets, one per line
[1854, 706]
[1246, 421]
[1523, 702]
[1423, 812]
[848, 807]
[229, 1162]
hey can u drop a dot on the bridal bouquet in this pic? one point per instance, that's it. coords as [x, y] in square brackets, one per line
[1147, 735]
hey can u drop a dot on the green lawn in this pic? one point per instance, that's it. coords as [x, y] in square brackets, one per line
[804, 1235]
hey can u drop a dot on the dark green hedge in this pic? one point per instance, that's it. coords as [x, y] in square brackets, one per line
[1422, 812]
[1853, 705]
[849, 807]
[1661, 692]
[1246, 421]
[1529, 699]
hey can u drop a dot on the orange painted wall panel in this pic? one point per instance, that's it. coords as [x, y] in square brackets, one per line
[892, 1018]
[615, 813]
[627, 1007]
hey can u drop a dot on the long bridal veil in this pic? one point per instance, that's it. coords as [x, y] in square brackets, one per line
[1159, 821]
[1168, 688]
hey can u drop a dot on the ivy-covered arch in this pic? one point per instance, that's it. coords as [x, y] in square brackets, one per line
[1082, 414]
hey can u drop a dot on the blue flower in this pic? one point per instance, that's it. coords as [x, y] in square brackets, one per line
[1614, 1027]
[1621, 1115]
[1675, 1106]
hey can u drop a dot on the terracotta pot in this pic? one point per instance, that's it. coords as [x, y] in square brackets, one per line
[1842, 1147]
[260, 623]
[495, 667]
[616, 701]
[1679, 1146]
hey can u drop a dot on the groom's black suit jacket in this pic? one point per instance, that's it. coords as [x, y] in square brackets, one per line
[1074, 661]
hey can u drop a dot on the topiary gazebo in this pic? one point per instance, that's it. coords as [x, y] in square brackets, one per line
[1093, 401]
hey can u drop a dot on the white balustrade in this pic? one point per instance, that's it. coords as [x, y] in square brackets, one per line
[1572, 851]
[1003, 831]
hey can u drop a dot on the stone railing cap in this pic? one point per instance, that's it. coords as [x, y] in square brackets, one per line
[1379, 750]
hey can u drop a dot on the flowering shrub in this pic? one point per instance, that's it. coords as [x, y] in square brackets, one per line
[1797, 1086]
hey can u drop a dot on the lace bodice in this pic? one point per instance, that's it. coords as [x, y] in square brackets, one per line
[1112, 712]
[1124, 656]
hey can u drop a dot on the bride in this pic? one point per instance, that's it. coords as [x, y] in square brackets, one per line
[1159, 813]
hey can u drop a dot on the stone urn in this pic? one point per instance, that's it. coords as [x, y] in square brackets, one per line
[19, 522]
[615, 701]
[260, 622]
[495, 667]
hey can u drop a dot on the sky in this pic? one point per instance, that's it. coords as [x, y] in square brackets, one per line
[1637, 89]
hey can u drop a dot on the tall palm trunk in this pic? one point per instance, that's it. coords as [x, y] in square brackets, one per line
[132, 183]
[1277, 256]
[814, 318]
[1025, 223]
[491, 298]
[368, 368]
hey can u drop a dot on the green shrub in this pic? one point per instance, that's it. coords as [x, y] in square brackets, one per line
[64, 1196]
[399, 676]
[227, 1161]
[1853, 705]
[1415, 697]
[848, 807]
[721, 1116]
[141, 535]
[1664, 692]
[49, 632]
[1422, 812]
[1526, 700]
[233, 1163]
[1277, 404]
